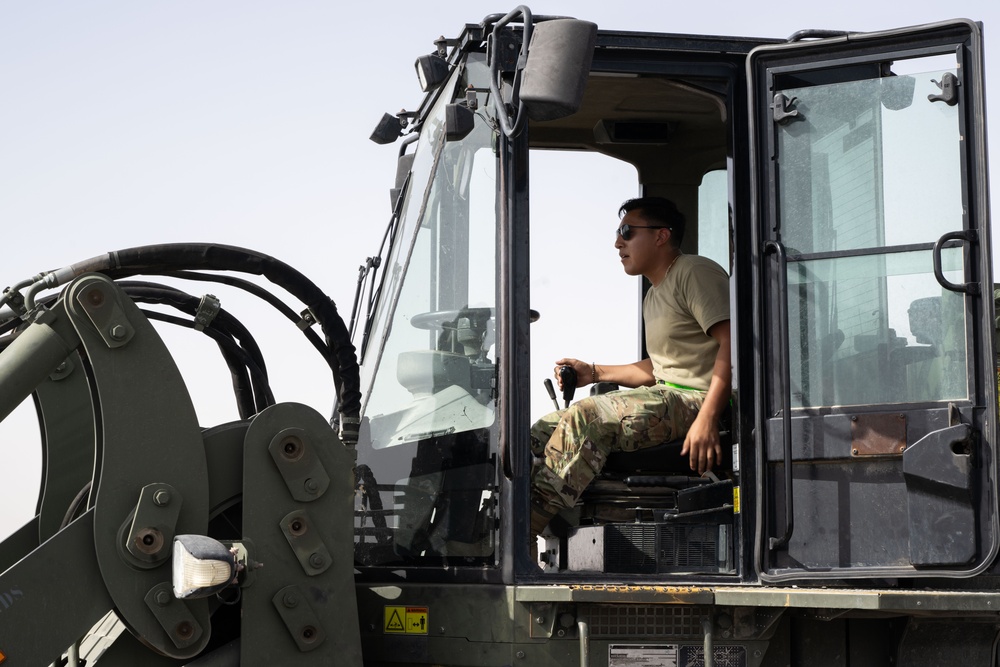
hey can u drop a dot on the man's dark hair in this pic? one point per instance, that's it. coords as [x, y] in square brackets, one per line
[660, 211]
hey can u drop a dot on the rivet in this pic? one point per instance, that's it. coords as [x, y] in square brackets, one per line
[317, 560]
[311, 485]
[290, 601]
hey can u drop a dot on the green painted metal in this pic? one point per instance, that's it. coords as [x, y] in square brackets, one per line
[317, 622]
[54, 597]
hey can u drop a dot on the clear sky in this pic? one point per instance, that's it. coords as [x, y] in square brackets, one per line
[247, 122]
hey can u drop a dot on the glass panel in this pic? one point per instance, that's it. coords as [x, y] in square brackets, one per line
[426, 459]
[873, 163]
[713, 217]
[876, 329]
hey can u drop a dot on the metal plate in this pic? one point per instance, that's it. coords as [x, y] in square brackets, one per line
[878, 435]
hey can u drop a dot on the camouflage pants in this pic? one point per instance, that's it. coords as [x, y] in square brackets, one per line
[571, 446]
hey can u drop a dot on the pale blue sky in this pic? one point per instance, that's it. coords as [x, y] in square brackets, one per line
[247, 122]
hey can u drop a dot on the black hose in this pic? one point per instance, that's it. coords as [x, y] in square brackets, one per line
[250, 399]
[263, 294]
[263, 396]
[187, 303]
[174, 257]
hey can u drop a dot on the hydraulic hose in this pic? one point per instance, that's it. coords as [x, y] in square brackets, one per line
[193, 256]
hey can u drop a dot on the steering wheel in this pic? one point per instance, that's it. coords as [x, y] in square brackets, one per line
[437, 319]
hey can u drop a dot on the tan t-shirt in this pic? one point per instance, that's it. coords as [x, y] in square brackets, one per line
[678, 313]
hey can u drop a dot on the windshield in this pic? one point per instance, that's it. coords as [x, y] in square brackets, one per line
[426, 469]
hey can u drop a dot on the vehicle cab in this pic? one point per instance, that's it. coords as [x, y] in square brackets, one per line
[838, 178]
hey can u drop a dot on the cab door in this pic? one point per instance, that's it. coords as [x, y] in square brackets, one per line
[876, 424]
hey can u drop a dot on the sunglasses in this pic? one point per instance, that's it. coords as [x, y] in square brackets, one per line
[625, 231]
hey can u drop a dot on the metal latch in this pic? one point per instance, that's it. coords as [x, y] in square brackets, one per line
[949, 90]
[782, 109]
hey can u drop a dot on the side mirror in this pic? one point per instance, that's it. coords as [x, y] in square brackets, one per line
[403, 165]
[459, 121]
[387, 130]
[556, 71]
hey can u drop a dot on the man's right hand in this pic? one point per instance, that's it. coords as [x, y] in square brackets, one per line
[584, 373]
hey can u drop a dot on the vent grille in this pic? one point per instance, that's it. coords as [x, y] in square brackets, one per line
[612, 620]
[630, 548]
[724, 656]
[689, 546]
[645, 548]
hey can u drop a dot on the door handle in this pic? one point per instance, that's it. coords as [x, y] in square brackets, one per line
[777, 247]
[966, 236]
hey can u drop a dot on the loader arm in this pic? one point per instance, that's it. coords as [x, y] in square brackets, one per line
[128, 468]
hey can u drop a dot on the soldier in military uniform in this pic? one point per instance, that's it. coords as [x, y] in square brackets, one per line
[679, 391]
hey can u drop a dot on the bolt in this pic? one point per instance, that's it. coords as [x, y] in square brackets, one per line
[441, 629]
[520, 655]
[854, 451]
[540, 620]
[854, 418]
[311, 485]
[560, 633]
[292, 449]
[61, 368]
[317, 560]
[290, 601]
[118, 332]
[297, 527]
[162, 598]
[149, 541]
[184, 630]
[161, 498]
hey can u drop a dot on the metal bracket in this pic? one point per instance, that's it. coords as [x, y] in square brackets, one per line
[300, 467]
[100, 304]
[308, 319]
[173, 614]
[153, 525]
[306, 542]
[948, 85]
[300, 619]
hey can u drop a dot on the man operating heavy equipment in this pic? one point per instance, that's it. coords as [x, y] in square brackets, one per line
[679, 391]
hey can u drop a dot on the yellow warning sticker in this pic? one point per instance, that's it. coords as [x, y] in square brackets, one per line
[405, 620]
[736, 500]
[394, 619]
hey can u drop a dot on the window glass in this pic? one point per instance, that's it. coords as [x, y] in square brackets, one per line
[426, 469]
[876, 329]
[870, 163]
[713, 217]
